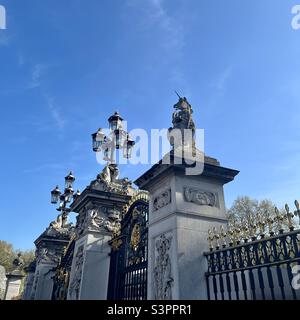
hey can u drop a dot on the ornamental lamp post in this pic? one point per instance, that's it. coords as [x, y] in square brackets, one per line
[55, 194]
[98, 139]
[69, 180]
[117, 139]
[128, 147]
[64, 198]
[115, 122]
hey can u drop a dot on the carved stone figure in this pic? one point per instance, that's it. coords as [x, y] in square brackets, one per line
[47, 255]
[76, 280]
[202, 198]
[93, 221]
[163, 279]
[113, 226]
[162, 200]
[18, 262]
[182, 120]
[60, 228]
[108, 180]
[57, 224]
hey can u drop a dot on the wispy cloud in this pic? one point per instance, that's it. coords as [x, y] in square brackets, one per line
[155, 14]
[173, 29]
[222, 78]
[55, 113]
[36, 74]
[21, 60]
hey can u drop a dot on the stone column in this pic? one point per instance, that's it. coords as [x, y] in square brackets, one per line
[98, 218]
[30, 272]
[13, 285]
[3, 280]
[182, 209]
[50, 248]
[90, 267]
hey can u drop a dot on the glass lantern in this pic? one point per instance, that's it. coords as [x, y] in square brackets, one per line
[120, 138]
[69, 194]
[106, 155]
[69, 180]
[77, 194]
[128, 147]
[55, 194]
[98, 139]
[115, 122]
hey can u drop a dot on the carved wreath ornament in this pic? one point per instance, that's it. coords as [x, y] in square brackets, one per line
[202, 198]
[162, 200]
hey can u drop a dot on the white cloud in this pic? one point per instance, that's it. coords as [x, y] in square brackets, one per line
[36, 74]
[55, 113]
[223, 77]
[21, 60]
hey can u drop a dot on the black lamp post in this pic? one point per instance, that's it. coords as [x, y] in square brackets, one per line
[118, 138]
[64, 198]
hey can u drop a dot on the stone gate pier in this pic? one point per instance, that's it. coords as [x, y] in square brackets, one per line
[182, 209]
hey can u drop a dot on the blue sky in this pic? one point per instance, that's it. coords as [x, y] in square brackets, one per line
[66, 65]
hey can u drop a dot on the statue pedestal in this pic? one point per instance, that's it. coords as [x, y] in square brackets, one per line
[13, 285]
[98, 215]
[30, 272]
[182, 209]
[50, 248]
[90, 267]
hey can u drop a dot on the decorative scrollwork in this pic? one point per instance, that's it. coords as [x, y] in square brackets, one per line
[163, 279]
[135, 237]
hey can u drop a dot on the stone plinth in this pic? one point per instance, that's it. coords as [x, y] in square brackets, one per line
[182, 209]
[50, 248]
[98, 217]
[30, 272]
[3, 280]
[13, 285]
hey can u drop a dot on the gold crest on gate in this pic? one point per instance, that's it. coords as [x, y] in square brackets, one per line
[135, 237]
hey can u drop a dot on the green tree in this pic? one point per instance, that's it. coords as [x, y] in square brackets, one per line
[28, 256]
[8, 254]
[249, 211]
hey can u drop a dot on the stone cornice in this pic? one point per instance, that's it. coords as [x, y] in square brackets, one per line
[212, 171]
[91, 195]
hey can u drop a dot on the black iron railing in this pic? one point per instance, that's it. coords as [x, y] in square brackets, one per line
[254, 267]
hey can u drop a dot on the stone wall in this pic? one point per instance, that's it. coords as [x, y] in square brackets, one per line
[2, 282]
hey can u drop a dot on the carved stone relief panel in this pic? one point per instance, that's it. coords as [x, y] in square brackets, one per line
[48, 255]
[99, 218]
[200, 197]
[162, 200]
[74, 290]
[163, 277]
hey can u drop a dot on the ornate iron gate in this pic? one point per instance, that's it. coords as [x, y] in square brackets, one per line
[63, 270]
[128, 264]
